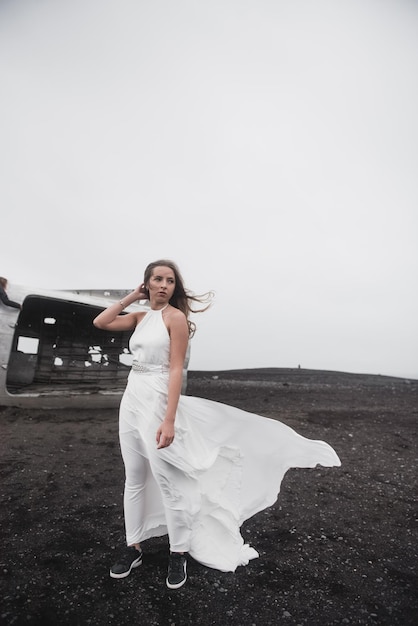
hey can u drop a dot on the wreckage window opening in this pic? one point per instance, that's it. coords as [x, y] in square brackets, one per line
[27, 345]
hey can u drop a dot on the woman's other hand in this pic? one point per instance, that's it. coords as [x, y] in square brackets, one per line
[165, 434]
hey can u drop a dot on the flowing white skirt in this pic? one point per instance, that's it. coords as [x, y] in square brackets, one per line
[236, 462]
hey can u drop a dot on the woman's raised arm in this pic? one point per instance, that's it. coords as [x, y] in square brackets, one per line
[111, 318]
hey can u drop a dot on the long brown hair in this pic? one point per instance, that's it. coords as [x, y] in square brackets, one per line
[181, 298]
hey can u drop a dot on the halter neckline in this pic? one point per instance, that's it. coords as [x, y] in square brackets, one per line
[160, 310]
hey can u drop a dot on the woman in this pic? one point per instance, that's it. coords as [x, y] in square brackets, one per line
[195, 469]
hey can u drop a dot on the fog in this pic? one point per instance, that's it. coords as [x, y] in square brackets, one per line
[269, 147]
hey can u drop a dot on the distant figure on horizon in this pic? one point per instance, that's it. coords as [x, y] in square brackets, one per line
[4, 297]
[194, 469]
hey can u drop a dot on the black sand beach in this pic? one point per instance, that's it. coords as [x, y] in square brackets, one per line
[339, 546]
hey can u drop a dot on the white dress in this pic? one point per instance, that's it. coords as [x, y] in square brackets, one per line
[230, 462]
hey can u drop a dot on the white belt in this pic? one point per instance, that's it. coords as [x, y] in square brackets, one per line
[149, 368]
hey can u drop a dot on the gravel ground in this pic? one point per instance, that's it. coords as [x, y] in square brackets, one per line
[339, 546]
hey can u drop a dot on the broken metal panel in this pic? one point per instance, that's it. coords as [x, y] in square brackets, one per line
[55, 346]
[53, 356]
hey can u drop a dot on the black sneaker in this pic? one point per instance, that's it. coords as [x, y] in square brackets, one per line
[176, 570]
[128, 560]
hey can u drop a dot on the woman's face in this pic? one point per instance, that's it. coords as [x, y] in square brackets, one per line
[161, 285]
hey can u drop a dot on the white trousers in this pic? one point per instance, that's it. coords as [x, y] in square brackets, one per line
[153, 485]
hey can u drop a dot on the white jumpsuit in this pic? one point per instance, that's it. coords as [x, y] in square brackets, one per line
[224, 465]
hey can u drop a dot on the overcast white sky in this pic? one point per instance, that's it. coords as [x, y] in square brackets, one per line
[269, 147]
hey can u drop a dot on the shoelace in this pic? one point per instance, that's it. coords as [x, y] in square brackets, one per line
[176, 563]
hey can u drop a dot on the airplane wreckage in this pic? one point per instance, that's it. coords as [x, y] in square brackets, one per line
[51, 355]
